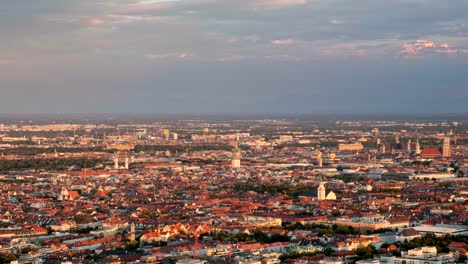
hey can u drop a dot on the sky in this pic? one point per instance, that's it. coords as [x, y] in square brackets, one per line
[234, 56]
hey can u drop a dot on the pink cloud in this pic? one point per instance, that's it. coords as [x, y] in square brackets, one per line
[446, 51]
[125, 19]
[419, 47]
[444, 45]
[420, 43]
[95, 22]
[412, 49]
[327, 52]
[288, 41]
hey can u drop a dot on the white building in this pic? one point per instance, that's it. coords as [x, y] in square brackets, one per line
[424, 255]
[431, 176]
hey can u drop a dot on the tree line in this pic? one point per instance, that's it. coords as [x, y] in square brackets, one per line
[47, 164]
[36, 151]
[181, 148]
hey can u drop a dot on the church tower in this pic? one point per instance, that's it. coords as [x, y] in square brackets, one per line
[116, 162]
[319, 159]
[418, 147]
[132, 232]
[127, 162]
[446, 150]
[236, 157]
[321, 191]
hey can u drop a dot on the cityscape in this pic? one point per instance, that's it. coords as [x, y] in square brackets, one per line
[234, 191]
[233, 131]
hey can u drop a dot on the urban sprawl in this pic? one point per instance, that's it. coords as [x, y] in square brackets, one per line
[234, 191]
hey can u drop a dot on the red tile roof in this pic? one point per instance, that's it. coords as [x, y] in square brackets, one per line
[431, 152]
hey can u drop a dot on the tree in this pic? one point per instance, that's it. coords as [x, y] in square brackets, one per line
[462, 258]
[385, 245]
[80, 218]
[26, 250]
[7, 258]
[343, 230]
[132, 245]
[328, 251]
[366, 252]
[335, 212]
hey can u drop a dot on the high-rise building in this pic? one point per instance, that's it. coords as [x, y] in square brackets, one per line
[408, 146]
[446, 149]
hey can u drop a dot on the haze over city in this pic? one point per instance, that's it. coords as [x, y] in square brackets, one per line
[257, 56]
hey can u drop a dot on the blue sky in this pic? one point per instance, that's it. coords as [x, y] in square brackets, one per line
[234, 56]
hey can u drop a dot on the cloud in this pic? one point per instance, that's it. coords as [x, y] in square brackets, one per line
[288, 41]
[247, 4]
[447, 51]
[413, 49]
[279, 3]
[231, 39]
[444, 45]
[354, 48]
[114, 19]
[360, 52]
[335, 21]
[172, 55]
[149, 2]
[119, 19]
[327, 52]
[6, 62]
[148, 5]
[232, 58]
[95, 21]
[421, 47]
[285, 57]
